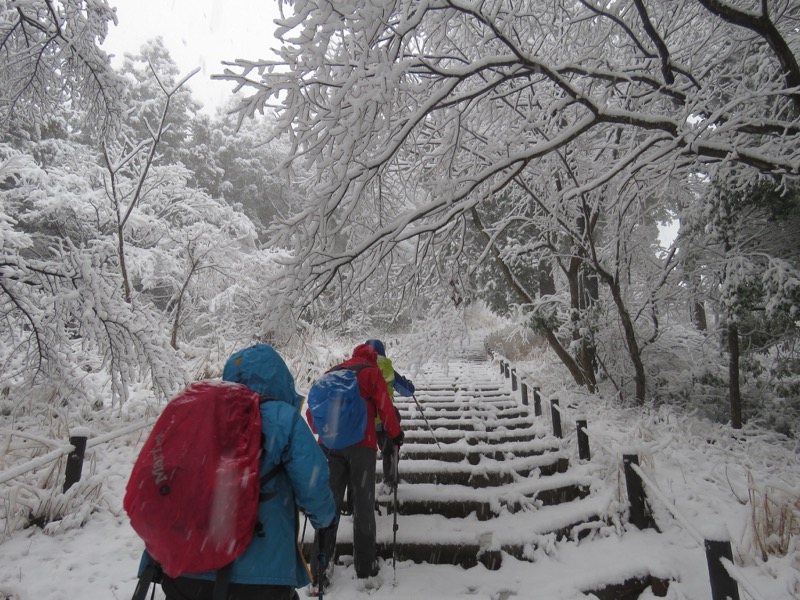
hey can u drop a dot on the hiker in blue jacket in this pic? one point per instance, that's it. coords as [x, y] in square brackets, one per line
[272, 566]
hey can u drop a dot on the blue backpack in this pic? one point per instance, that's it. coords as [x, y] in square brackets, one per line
[337, 408]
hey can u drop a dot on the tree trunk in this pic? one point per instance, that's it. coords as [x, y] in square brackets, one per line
[699, 316]
[640, 378]
[123, 269]
[561, 352]
[576, 276]
[733, 376]
[569, 362]
[588, 352]
[547, 284]
[697, 306]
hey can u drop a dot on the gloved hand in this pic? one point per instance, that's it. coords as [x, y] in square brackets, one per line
[326, 533]
[398, 439]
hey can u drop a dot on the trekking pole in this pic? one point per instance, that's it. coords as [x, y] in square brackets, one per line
[426, 421]
[396, 459]
[150, 576]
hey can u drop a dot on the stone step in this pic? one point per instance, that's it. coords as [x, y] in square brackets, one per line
[486, 473]
[446, 437]
[471, 411]
[451, 409]
[455, 391]
[459, 501]
[470, 423]
[473, 454]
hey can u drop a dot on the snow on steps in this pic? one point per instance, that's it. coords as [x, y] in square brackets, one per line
[489, 484]
[496, 490]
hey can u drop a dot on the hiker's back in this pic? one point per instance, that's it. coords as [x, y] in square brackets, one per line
[292, 473]
[299, 483]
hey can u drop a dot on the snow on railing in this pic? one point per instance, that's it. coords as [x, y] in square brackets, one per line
[78, 443]
[723, 573]
[716, 544]
[37, 462]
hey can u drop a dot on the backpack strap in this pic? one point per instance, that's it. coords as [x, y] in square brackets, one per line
[263, 496]
[267, 477]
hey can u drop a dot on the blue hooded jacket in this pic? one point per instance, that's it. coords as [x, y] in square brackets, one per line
[302, 479]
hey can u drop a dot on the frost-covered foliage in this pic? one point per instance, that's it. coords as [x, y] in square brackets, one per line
[523, 153]
[63, 311]
[120, 276]
[50, 56]
[742, 262]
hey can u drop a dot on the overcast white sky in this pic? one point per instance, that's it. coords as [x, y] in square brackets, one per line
[198, 33]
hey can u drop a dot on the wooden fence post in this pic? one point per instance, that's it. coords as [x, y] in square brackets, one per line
[537, 402]
[524, 391]
[555, 416]
[636, 497]
[723, 586]
[583, 439]
[513, 380]
[508, 370]
[72, 472]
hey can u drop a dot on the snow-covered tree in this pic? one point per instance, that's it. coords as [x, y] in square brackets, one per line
[573, 113]
[116, 271]
[50, 55]
[245, 167]
[149, 74]
[749, 272]
[64, 315]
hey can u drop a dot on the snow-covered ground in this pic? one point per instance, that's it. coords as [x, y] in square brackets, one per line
[716, 479]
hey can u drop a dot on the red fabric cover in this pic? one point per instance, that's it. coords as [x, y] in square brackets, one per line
[193, 492]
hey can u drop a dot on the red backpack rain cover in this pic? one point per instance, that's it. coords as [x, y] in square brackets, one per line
[193, 492]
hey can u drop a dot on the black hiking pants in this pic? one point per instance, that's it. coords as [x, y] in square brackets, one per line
[388, 449]
[352, 467]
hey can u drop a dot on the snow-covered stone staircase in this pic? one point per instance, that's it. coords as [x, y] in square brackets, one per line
[480, 477]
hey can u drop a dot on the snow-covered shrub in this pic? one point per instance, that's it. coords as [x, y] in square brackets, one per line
[773, 528]
[37, 498]
[515, 343]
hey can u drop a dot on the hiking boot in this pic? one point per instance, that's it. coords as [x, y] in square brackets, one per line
[313, 589]
[376, 568]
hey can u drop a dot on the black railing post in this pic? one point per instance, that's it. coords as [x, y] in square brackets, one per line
[513, 380]
[636, 497]
[524, 391]
[508, 370]
[722, 584]
[537, 402]
[583, 440]
[72, 474]
[555, 416]
[502, 367]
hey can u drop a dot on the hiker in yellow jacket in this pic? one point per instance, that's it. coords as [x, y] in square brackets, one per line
[403, 386]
